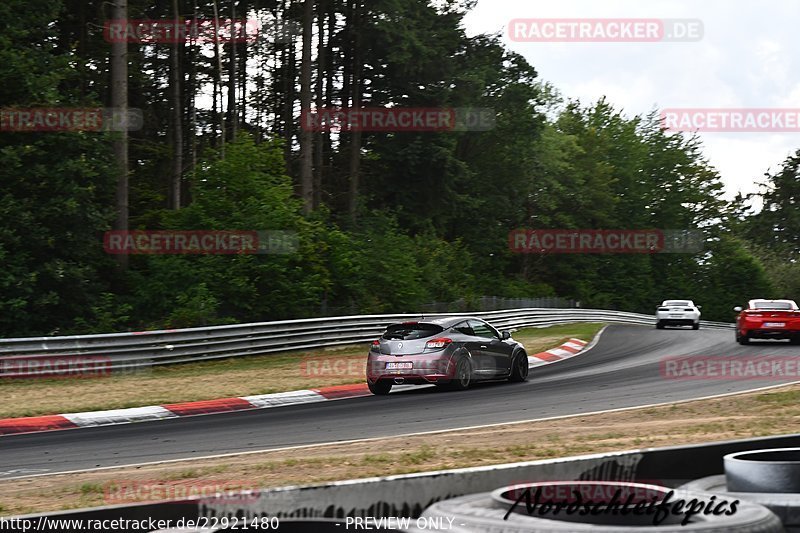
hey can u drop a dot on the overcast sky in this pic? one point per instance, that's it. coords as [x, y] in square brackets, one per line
[747, 58]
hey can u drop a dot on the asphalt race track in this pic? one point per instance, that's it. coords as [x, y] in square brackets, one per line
[622, 370]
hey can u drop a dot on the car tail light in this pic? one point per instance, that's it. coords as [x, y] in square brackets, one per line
[438, 344]
[688, 309]
[663, 308]
[376, 346]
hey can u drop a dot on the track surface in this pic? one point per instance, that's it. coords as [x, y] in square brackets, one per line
[622, 370]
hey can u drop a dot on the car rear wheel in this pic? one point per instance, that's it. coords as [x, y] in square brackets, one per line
[794, 340]
[463, 376]
[659, 324]
[742, 339]
[380, 387]
[696, 325]
[519, 367]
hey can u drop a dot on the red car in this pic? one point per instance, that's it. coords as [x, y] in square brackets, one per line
[768, 319]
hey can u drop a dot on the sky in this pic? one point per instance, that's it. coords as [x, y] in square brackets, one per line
[747, 58]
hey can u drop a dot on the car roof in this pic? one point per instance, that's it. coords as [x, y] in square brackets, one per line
[679, 300]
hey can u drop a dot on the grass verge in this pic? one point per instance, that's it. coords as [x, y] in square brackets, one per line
[242, 376]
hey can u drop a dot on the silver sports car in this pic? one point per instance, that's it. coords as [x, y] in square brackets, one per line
[449, 352]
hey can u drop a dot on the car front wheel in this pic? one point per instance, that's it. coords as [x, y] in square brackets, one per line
[519, 368]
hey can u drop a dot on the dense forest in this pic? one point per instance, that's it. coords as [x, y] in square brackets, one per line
[386, 220]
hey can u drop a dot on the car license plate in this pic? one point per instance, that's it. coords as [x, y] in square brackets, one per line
[398, 366]
[774, 324]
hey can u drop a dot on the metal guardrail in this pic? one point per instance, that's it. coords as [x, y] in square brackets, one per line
[130, 351]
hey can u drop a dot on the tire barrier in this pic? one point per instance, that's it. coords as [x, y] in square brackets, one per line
[775, 470]
[497, 512]
[767, 477]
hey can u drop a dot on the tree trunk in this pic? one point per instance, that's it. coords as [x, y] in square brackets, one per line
[318, 138]
[177, 123]
[243, 54]
[192, 101]
[232, 116]
[327, 145]
[306, 135]
[219, 80]
[288, 70]
[119, 104]
[355, 142]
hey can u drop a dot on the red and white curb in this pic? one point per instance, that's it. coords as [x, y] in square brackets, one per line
[569, 349]
[9, 426]
[35, 424]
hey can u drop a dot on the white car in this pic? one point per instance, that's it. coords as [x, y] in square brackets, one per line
[678, 313]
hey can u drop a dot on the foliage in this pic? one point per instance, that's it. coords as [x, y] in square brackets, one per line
[434, 209]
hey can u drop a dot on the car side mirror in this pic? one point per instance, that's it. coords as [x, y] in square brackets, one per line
[506, 335]
[737, 309]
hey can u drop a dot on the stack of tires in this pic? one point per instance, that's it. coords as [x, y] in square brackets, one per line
[496, 511]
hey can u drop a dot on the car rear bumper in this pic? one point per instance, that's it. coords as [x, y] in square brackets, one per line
[770, 333]
[682, 316]
[428, 368]
[678, 321]
[756, 329]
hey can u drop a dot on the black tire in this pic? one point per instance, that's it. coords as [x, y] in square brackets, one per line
[382, 387]
[463, 376]
[744, 340]
[783, 504]
[659, 324]
[696, 326]
[794, 340]
[519, 367]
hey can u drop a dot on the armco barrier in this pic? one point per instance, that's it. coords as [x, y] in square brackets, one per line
[147, 348]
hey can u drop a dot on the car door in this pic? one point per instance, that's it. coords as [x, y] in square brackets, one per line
[495, 354]
[473, 344]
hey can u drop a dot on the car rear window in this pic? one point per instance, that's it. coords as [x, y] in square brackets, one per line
[773, 305]
[408, 331]
[676, 302]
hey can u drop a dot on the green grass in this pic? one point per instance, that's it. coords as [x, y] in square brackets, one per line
[780, 398]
